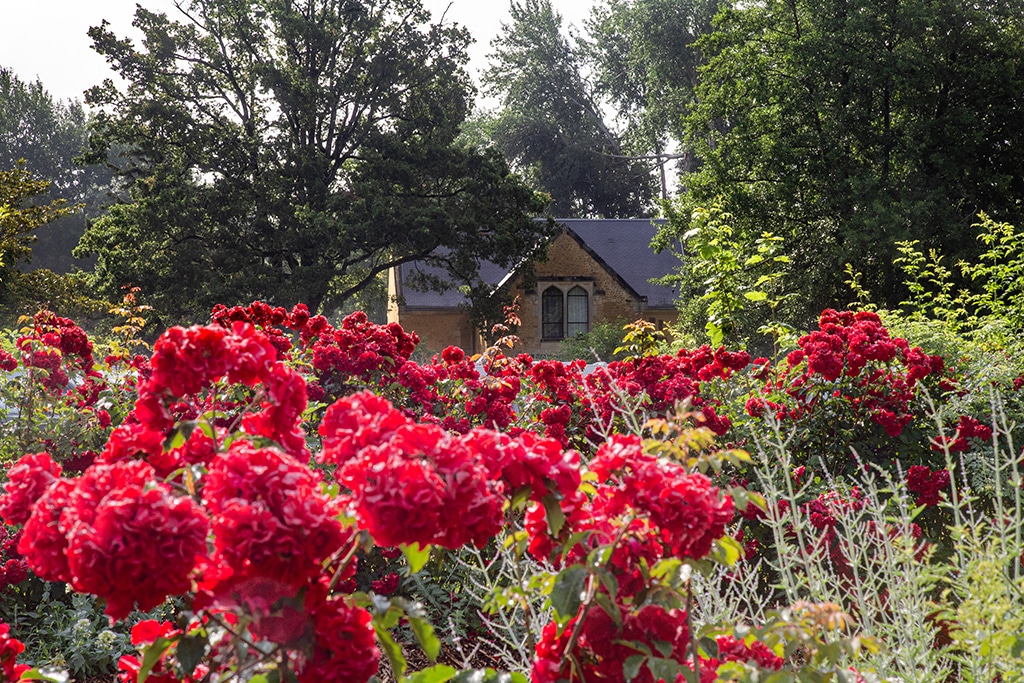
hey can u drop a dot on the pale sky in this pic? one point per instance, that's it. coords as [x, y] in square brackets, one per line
[47, 38]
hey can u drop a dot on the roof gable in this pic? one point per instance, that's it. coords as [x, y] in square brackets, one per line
[623, 247]
[620, 246]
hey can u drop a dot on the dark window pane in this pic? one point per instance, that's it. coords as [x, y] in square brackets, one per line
[579, 311]
[552, 314]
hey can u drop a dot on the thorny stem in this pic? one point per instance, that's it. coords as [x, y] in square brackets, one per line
[344, 562]
[243, 639]
[254, 401]
[588, 600]
[690, 629]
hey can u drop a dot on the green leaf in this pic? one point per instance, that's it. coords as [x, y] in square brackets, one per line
[715, 332]
[663, 647]
[707, 251]
[666, 567]
[151, 654]
[416, 556]
[425, 636]
[608, 580]
[567, 593]
[553, 513]
[709, 646]
[520, 497]
[45, 674]
[440, 673]
[385, 613]
[179, 435]
[1018, 647]
[393, 651]
[755, 296]
[631, 667]
[664, 669]
[728, 551]
[190, 652]
[610, 608]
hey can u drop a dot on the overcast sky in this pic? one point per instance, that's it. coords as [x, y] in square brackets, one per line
[47, 38]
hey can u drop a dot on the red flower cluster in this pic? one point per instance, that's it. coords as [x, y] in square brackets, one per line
[926, 484]
[27, 480]
[451, 391]
[881, 372]
[147, 632]
[344, 647]
[188, 362]
[116, 533]
[967, 431]
[732, 650]
[689, 513]
[359, 349]
[14, 569]
[8, 363]
[645, 509]
[269, 319]
[422, 485]
[10, 648]
[417, 483]
[352, 423]
[272, 527]
[56, 345]
[605, 643]
[529, 461]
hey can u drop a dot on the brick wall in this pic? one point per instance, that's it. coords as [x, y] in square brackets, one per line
[568, 265]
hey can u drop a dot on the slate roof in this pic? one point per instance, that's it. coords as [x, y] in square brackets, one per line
[623, 245]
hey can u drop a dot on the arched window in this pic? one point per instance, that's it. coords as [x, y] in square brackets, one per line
[578, 308]
[552, 312]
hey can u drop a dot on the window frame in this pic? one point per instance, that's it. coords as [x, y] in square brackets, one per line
[549, 305]
[583, 290]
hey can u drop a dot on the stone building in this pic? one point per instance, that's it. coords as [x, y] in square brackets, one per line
[595, 271]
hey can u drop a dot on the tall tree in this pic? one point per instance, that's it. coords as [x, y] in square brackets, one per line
[551, 125]
[24, 209]
[293, 150]
[847, 125]
[48, 134]
[645, 61]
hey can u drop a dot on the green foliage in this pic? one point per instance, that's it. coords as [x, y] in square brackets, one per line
[33, 418]
[551, 125]
[293, 152]
[847, 127]
[21, 217]
[641, 339]
[988, 621]
[646, 61]
[999, 272]
[601, 343]
[47, 135]
[975, 319]
[69, 630]
[726, 271]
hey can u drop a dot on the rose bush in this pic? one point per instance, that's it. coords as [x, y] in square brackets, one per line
[265, 456]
